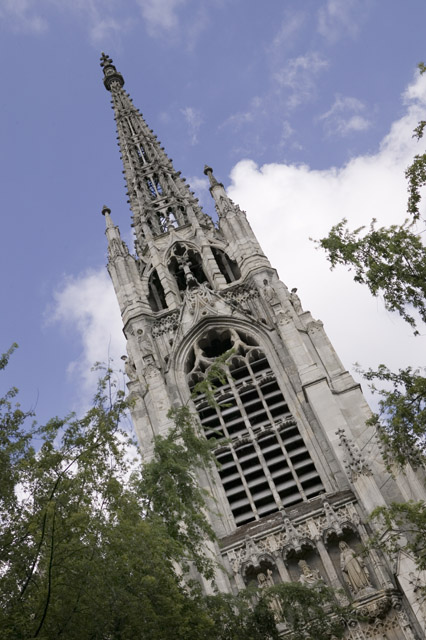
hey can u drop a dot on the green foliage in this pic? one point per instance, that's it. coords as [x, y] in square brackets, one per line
[77, 557]
[214, 378]
[391, 261]
[403, 524]
[401, 422]
[416, 172]
[90, 544]
[311, 612]
[172, 491]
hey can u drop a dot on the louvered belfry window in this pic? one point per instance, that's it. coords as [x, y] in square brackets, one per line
[264, 462]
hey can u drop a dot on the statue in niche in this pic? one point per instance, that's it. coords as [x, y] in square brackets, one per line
[309, 577]
[354, 570]
[269, 293]
[129, 368]
[295, 301]
[265, 580]
[144, 342]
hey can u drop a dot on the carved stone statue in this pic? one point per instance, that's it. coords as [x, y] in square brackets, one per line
[309, 577]
[129, 368]
[265, 580]
[354, 570]
[295, 301]
[269, 293]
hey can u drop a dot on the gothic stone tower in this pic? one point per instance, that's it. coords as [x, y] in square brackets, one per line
[299, 471]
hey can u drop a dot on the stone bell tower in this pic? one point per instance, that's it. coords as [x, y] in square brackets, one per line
[299, 470]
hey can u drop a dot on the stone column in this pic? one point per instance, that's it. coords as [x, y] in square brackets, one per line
[330, 570]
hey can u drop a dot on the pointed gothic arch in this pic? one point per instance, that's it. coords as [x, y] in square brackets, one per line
[156, 296]
[186, 266]
[228, 267]
[265, 464]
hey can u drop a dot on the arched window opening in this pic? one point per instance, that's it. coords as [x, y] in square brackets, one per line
[156, 297]
[167, 220]
[186, 266]
[158, 186]
[151, 188]
[264, 461]
[143, 159]
[182, 216]
[228, 268]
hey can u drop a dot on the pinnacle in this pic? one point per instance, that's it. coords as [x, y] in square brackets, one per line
[208, 171]
[105, 59]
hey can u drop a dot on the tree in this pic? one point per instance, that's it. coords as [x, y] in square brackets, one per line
[89, 545]
[391, 261]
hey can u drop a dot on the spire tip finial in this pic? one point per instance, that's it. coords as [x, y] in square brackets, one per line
[110, 72]
[208, 171]
[105, 210]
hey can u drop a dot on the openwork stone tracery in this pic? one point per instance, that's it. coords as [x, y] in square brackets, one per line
[266, 465]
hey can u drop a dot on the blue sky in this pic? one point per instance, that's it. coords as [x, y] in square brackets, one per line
[304, 109]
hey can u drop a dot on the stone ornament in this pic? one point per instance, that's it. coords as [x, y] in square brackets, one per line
[129, 368]
[354, 461]
[295, 301]
[269, 293]
[166, 324]
[291, 536]
[309, 577]
[117, 248]
[265, 580]
[354, 570]
[201, 293]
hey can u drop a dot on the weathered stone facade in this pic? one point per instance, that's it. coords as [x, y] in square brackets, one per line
[300, 471]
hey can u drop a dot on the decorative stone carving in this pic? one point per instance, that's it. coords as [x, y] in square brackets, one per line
[295, 301]
[331, 518]
[117, 248]
[269, 293]
[354, 570]
[309, 577]
[145, 345]
[354, 461]
[315, 326]
[292, 537]
[166, 324]
[265, 580]
[129, 368]
[240, 295]
[376, 608]
[201, 293]
[284, 317]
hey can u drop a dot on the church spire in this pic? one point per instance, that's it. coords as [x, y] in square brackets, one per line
[159, 198]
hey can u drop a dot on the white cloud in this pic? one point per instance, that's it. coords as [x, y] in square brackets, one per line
[161, 15]
[287, 204]
[288, 30]
[340, 18]
[286, 132]
[22, 16]
[194, 121]
[200, 187]
[86, 304]
[300, 76]
[344, 116]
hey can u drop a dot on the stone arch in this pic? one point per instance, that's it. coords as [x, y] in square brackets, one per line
[228, 267]
[265, 464]
[156, 295]
[186, 266]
